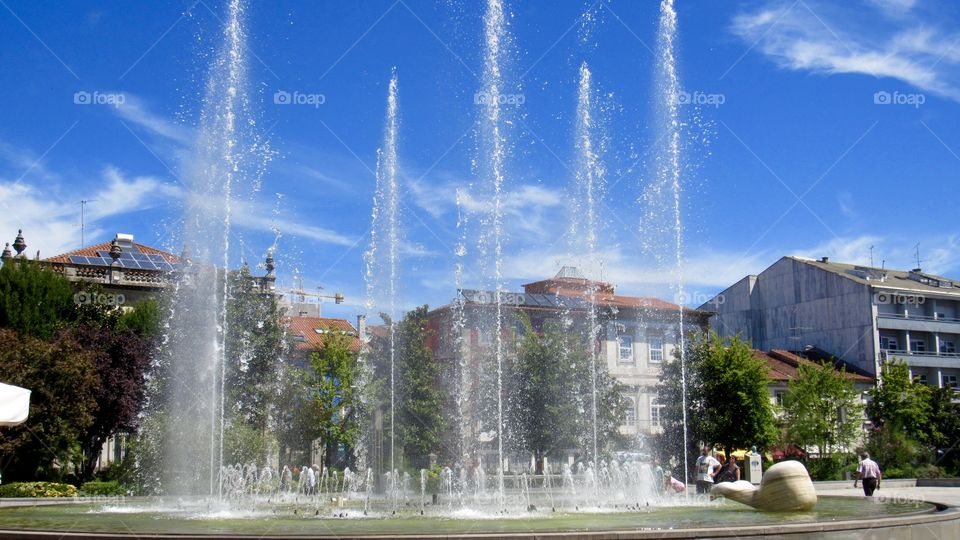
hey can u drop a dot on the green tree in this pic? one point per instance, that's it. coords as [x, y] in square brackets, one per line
[34, 300]
[552, 409]
[900, 404]
[735, 384]
[822, 407]
[901, 411]
[728, 400]
[546, 413]
[420, 397]
[64, 385]
[332, 407]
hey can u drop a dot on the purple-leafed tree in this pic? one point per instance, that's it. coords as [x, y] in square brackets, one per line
[121, 359]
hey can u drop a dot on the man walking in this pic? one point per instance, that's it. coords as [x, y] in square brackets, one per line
[707, 467]
[869, 472]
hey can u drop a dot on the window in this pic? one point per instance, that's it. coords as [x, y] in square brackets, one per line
[656, 349]
[947, 346]
[888, 343]
[656, 412]
[950, 381]
[922, 379]
[626, 349]
[778, 397]
[631, 411]
[918, 345]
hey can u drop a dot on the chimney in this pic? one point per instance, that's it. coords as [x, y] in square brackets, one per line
[362, 328]
[824, 259]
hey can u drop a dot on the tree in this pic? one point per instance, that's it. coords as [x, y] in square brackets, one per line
[64, 385]
[331, 409]
[254, 346]
[546, 413]
[121, 360]
[727, 397]
[900, 404]
[552, 409]
[822, 407]
[736, 391]
[901, 412]
[419, 395]
[34, 300]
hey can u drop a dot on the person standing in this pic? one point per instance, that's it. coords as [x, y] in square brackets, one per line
[707, 466]
[869, 472]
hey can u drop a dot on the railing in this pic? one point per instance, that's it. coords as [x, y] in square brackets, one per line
[907, 317]
[896, 352]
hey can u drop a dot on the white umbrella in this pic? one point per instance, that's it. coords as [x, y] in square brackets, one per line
[14, 405]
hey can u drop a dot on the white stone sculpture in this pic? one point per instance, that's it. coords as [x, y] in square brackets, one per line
[785, 487]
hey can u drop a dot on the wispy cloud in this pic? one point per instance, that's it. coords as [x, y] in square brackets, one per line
[135, 110]
[890, 40]
[51, 220]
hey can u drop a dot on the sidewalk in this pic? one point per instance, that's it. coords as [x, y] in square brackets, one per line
[895, 489]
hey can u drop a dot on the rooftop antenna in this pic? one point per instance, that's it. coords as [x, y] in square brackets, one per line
[871, 256]
[83, 204]
[916, 253]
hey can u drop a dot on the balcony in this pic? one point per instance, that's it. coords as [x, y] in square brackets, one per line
[924, 358]
[917, 323]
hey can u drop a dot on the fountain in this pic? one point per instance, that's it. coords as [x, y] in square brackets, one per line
[600, 495]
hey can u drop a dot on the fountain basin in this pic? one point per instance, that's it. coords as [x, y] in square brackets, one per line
[833, 517]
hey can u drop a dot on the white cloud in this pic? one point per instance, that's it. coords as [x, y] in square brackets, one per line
[51, 221]
[134, 110]
[809, 37]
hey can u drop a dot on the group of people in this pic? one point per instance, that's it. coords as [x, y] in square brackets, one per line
[710, 471]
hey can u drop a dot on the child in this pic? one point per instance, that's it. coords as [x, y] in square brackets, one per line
[672, 483]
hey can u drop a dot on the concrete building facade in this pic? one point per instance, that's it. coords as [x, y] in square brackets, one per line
[860, 315]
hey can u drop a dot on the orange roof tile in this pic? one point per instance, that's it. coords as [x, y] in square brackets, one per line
[310, 331]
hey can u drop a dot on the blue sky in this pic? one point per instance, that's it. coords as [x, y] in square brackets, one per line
[824, 128]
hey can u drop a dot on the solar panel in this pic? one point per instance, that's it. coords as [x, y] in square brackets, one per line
[140, 256]
[78, 259]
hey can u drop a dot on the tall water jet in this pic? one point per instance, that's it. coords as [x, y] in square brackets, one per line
[584, 224]
[383, 257]
[669, 169]
[193, 383]
[492, 132]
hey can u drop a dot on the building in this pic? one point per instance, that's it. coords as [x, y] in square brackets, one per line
[860, 315]
[635, 336]
[124, 270]
[783, 366]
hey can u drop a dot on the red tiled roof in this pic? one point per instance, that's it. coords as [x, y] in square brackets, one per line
[91, 251]
[783, 366]
[305, 331]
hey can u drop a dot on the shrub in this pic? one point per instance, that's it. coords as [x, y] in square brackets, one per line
[108, 488]
[829, 468]
[37, 489]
